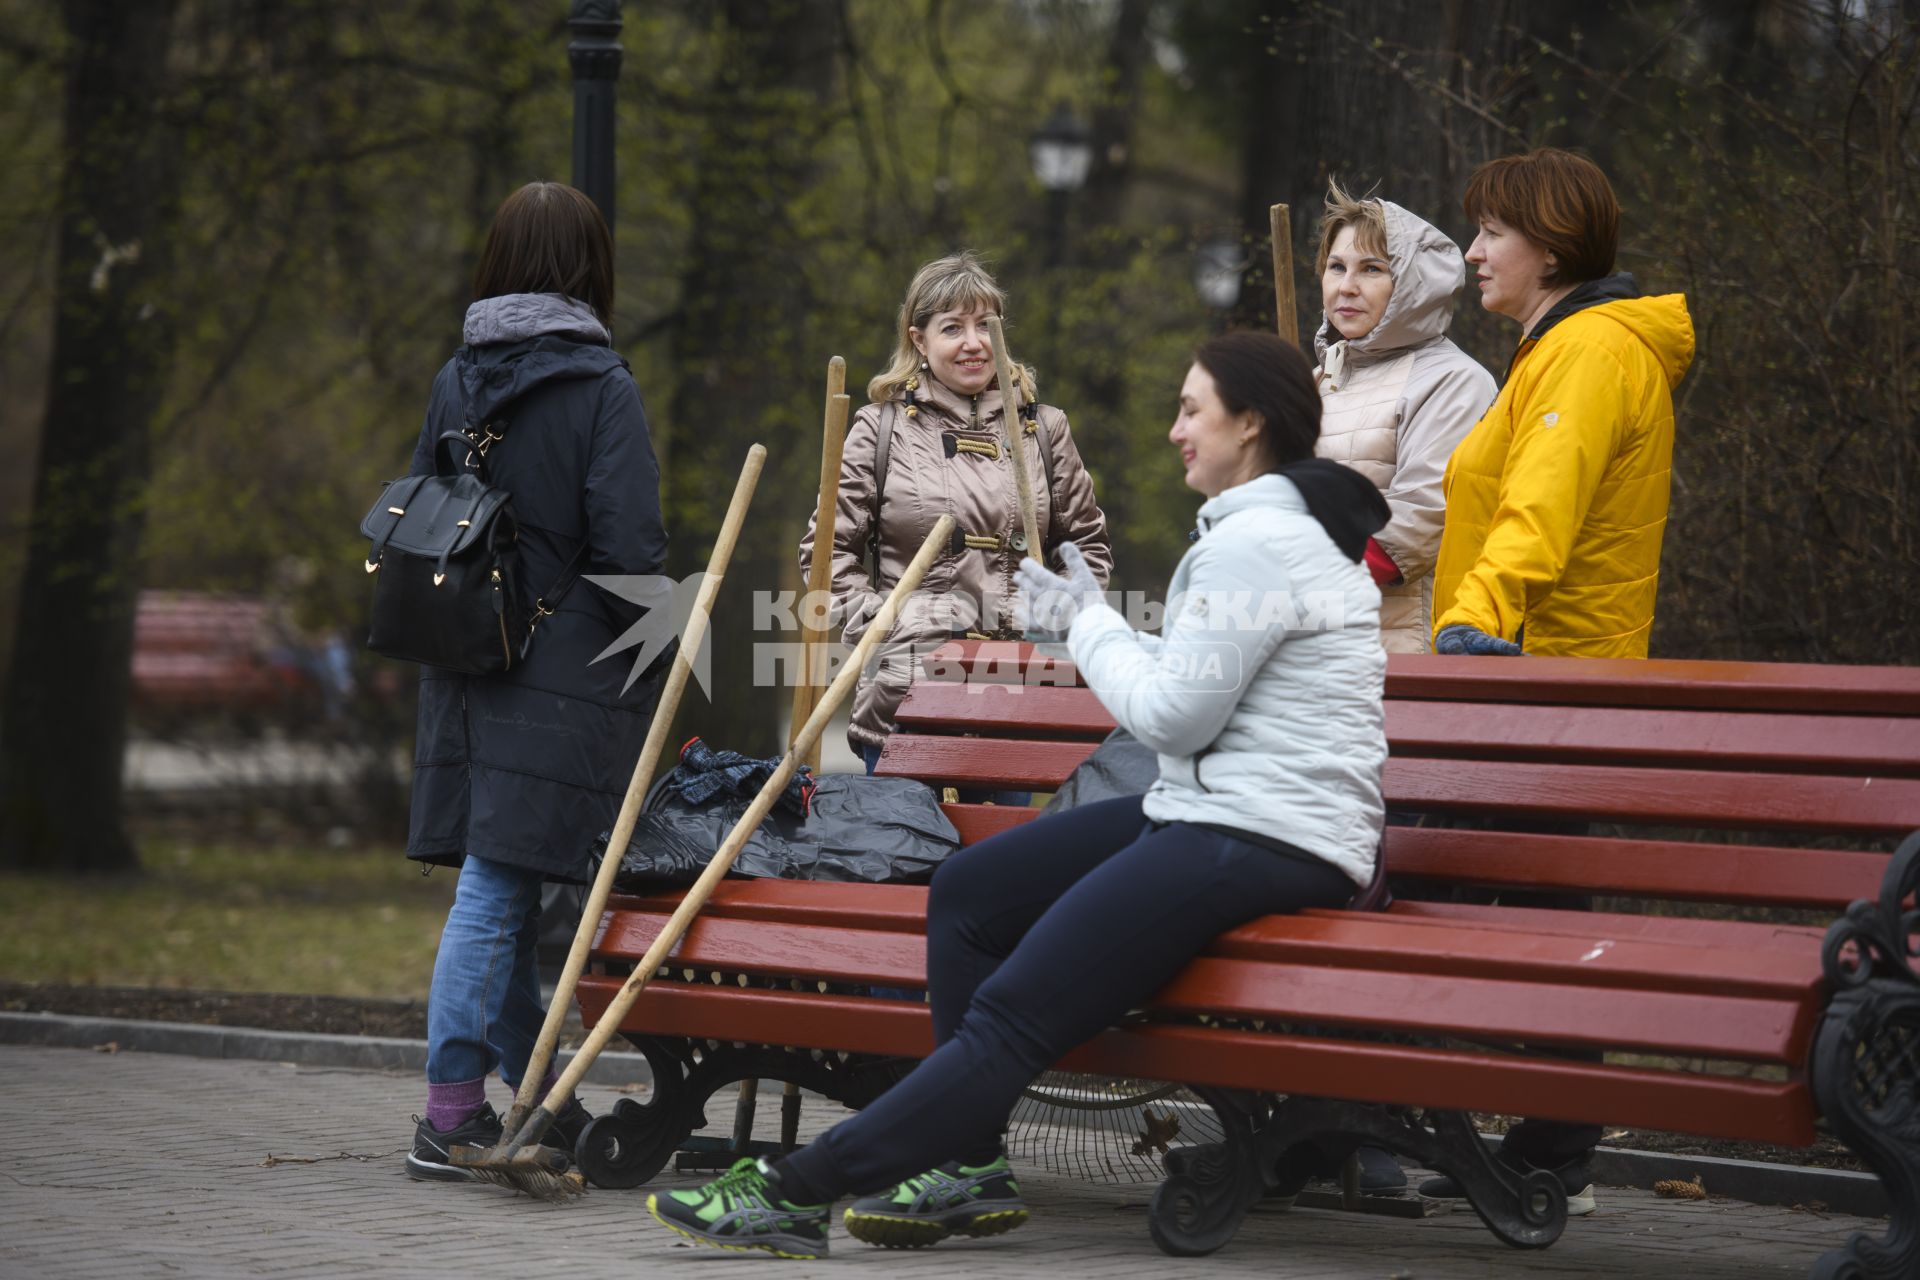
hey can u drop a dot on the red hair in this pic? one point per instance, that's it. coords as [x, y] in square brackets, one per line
[1558, 200]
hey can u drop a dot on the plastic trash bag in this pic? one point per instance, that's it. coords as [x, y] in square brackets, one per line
[859, 829]
[1121, 765]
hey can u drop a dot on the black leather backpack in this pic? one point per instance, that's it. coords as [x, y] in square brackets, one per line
[447, 565]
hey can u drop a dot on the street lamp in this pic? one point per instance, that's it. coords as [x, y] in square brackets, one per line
[1218, 265]
[594, 55]
[1061, 151]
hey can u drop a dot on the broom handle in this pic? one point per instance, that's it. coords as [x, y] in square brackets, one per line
[819, 565]
[642, 781]
[702, 889]
[1016, 437]
[1286, 315]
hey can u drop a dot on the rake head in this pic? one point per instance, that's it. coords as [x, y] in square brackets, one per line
[536, 1171]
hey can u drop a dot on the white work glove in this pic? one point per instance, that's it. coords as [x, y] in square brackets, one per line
[1053, 602]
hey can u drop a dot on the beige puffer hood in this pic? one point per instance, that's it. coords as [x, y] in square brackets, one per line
[1396, 402]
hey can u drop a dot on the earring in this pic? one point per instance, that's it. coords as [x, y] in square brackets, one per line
[923, 366]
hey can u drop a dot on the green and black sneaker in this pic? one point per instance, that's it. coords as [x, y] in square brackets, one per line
[742, 1209]
[954, 1199]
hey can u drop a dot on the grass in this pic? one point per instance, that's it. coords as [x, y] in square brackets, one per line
[306, 921]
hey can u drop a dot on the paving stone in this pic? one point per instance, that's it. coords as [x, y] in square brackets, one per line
[151, 1164]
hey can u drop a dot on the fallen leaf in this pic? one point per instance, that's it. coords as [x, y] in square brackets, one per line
[1676, 1189]
[111, 1046]
[1158, 1135]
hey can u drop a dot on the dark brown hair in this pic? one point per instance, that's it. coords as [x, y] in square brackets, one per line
[1558, 200]
[548, 238]
[1258, 371]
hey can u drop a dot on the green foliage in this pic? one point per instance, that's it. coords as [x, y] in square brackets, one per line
[779, 182]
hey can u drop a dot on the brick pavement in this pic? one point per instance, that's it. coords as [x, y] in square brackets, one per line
[134, 1164]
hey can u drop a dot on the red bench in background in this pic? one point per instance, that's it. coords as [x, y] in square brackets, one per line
[1738, 785]
[196, 652]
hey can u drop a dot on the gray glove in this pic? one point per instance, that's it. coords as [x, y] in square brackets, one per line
[1053, 602]
[1459, 638]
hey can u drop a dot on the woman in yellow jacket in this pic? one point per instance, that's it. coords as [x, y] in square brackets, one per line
[1557, 499]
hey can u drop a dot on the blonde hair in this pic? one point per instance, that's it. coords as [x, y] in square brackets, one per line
[1367, 218]
[958, 282]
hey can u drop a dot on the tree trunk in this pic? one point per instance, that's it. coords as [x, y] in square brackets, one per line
[63, 735]
[748, 371]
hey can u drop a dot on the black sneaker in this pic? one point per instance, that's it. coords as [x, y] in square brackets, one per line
[1573, 1180]
[742, 1209]
[564, 1133]
[430, 1161]
[954, 1199]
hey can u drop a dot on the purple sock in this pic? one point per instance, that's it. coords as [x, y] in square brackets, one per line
[450, 1105]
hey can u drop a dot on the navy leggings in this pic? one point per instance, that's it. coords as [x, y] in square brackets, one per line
[1037, 940]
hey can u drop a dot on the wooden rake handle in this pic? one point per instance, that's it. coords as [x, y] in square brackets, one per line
[637, 788]
[702, 889]
[1016, 438]
[820, 563]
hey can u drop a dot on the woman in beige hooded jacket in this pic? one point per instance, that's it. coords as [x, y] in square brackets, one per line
[1397, 395]
[936, 417]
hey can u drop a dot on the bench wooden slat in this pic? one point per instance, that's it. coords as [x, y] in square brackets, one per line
[1681, 929]
[895, 908]
[1017, 763]
[1661, 682]
[1429, 999]
[1577, 1092]
[1704, 797]
[1766, 741]
[1370, 942]
[1714, 1106]
[1658, 682]
[1674, 869]
[999, 662]
[892, 908]
[1770, 741]
[1696, 797]
[1678, 870]
[976, 822]
[1004, 710]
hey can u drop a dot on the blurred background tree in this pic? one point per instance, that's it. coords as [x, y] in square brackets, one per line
[308, 183]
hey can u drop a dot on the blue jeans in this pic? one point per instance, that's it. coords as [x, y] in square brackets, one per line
[484, 1009]
[967, 795]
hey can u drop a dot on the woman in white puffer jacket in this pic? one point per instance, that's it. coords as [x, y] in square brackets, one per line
[1398, 394]
[1262, 695]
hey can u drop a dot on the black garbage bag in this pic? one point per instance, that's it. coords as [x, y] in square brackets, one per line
[857, 829]
[1121, 765]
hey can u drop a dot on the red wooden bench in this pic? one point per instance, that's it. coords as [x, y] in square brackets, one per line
[1739, 785]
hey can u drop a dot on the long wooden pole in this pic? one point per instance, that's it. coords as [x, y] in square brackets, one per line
[696, 896]
[1286, 313]
[820, 563]
[637, 787]
[1016, 437]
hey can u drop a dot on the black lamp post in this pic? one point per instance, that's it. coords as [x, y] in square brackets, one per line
[594, 55]
[1062, 154]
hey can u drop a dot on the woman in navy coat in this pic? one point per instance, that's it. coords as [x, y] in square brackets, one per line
[515, 774]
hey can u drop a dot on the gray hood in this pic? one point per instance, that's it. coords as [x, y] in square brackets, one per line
[515, 317]
[1428, 274]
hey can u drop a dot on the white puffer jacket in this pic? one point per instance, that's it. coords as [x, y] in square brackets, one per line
[1395, 402]
[1262, 694]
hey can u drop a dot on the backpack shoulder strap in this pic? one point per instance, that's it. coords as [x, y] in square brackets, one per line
[882, 454]
[1044, 436]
